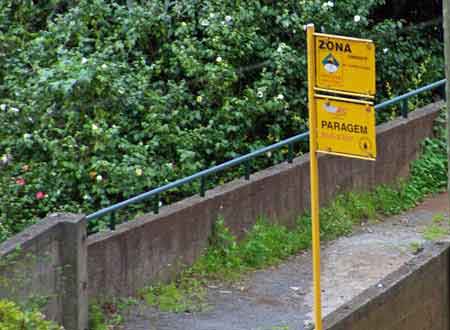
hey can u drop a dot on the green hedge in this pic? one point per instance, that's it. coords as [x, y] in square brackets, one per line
[12, 317]
[101, 100]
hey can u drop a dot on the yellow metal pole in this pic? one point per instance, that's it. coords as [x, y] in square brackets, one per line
[314, 177]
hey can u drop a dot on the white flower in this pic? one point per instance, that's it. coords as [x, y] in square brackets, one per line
[6, 158]
[95, 127]
[99, 178]
[328, 4]
[14, 110]
[204, 22]
[281, 47]
[260, 94]
[84, 60]
[218, 59]
[104, 66]
[27, 136]
[280, 97]
[160, 204]
[228, 19]
[385, 50]
[3, 107]
[357, 18]
[139, 172]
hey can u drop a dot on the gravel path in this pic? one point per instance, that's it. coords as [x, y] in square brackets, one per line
[280, 298]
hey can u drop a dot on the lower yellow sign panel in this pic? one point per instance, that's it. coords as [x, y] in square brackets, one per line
[346, 128]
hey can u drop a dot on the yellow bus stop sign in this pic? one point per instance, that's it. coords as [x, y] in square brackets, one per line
[346, 127]
[345, 64]
[339, 126]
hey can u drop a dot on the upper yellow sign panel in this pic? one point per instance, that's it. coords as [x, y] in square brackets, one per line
[345, 64]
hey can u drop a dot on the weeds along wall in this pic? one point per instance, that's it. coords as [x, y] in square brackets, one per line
[155, 247]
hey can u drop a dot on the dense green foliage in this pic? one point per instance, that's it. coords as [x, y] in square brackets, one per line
[13, 318]
[102, 99]
[268, 243]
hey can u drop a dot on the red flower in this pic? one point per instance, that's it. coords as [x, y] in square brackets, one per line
[40, 195]
[20, 181]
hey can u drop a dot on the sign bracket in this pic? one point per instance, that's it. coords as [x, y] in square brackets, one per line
[324, 90]
[343, 99]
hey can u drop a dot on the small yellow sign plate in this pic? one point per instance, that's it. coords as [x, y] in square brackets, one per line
[346, 127]
[345, 64]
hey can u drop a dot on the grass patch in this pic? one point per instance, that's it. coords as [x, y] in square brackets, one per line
[108, 315]
[416, 247]
[187, 295]
[435, 232]
[267, 243]
[438, 218]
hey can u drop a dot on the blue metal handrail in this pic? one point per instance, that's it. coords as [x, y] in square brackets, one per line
[245, 159]
[403, 99]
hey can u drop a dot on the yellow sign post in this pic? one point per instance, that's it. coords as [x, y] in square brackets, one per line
[337, 125]
[345, 65]
[314, 178]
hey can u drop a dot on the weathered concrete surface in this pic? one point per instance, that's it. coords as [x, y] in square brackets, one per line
[51, 264]
[281, 297]
[415, 297]
[155, 247]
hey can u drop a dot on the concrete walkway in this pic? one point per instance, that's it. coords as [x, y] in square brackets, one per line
[280, 298]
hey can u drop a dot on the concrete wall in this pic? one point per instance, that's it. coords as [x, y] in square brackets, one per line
[154, 247]
[48, 260]
[415, 297]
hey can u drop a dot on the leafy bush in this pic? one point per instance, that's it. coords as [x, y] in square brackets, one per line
[13, 318]
[102, 99]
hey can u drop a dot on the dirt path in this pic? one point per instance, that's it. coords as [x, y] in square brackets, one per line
[280, 298]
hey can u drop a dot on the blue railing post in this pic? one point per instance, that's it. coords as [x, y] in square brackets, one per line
[156, 204]
[443, 92]
[404, 107]
[112, 221]
[247, 170]
[290, 153]
[202, 186]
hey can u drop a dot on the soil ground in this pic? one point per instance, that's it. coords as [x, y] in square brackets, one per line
[280, 298]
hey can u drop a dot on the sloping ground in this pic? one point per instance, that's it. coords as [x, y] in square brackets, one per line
[281, 298]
